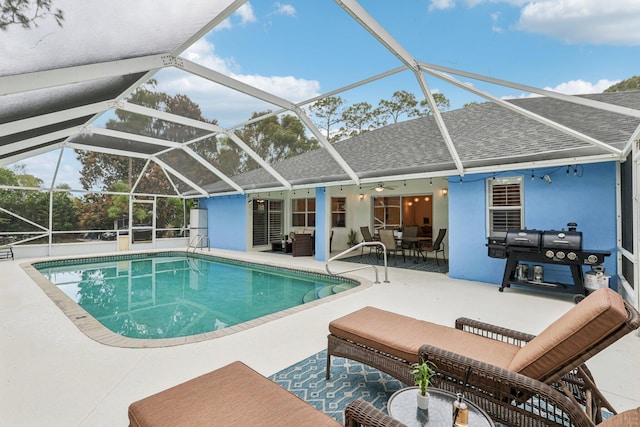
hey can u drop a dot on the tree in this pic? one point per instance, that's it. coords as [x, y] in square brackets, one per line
[358, 118]
[630, 84]
[26, 13]
[401, 103]
[441, 102]
[328, 113]
[274, 139]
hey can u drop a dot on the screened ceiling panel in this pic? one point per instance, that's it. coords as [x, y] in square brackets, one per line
[29, 149]
[107, 142]
[148, 126]
[187, 166]
[43, 101]
[34, 132]
[94, 31]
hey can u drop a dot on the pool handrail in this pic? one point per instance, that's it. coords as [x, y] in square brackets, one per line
[353, 248]
[197, 242]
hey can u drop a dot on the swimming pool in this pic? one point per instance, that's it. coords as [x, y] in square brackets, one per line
[169, 298]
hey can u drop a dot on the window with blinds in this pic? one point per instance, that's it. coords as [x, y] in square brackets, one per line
[504, 205]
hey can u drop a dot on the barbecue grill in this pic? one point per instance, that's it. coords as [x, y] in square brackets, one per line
[545, 247]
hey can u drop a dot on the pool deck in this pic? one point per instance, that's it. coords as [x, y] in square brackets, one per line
[54, 375]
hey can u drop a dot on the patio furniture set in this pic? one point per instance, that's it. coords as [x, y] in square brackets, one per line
[517, 379]
[418, 246]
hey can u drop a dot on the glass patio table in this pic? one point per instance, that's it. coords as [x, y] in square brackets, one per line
[403, 406]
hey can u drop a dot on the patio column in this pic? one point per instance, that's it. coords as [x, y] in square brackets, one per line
[323, 218]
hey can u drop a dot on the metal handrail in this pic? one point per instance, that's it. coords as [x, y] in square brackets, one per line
[196, 242]
[353, 248]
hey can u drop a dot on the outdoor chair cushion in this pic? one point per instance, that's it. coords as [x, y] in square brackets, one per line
[630, 418]
[229, 396]
[402, 336]
[577, 330]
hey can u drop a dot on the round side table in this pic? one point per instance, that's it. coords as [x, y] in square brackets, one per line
[403, 406]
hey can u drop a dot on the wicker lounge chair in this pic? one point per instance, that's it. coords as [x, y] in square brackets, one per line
[236, 395]
[507, 367]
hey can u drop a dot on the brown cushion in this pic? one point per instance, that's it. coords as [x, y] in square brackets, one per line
[630, 418]
[575, 332]
[402, 336]
[234, 395]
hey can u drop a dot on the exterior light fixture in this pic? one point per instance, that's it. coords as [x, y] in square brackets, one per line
[445, 192]
[361, 196]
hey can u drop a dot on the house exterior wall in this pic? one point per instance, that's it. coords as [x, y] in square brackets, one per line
[227, 221]
[588, 199]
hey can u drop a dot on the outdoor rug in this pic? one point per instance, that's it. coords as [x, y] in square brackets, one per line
[349, 381]
[430, 265]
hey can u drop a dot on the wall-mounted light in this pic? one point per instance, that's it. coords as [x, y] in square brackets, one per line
[445, 192]
[361, 196]
[547, 179]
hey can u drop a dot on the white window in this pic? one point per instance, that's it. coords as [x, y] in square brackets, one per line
[504, 205]
[303, 212]
[338, 211]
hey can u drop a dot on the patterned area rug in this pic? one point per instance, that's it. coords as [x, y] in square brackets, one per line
[349, 381]
[410, 263]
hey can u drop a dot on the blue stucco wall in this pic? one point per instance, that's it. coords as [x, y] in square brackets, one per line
[322, 212]
[227, 221]
[588, 199]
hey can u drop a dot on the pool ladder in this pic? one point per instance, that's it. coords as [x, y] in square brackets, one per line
[358, 246]
[199, 241]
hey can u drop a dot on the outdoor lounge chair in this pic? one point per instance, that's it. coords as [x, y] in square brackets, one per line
[506, 367]
[236, 395]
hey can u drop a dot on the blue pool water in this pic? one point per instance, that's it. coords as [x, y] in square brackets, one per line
[169, 295]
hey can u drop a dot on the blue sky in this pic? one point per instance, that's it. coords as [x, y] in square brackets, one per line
[303, 48]
[300, 49]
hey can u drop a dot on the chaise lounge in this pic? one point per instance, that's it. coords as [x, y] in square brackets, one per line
[515, 377]
[236, 395]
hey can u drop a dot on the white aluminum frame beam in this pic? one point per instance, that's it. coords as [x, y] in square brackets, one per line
[548, 93]
[64, 76]
[358, 13]
[179, 175]
[37, 140]
[239, 86]
[138, 109]
[52, 118]
[525, 113]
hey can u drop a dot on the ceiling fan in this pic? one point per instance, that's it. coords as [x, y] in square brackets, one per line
[380, 187]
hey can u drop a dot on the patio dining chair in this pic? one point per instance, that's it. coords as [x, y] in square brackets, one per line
[410, 231]
[366, 236]
[437, 245]
[391, 244]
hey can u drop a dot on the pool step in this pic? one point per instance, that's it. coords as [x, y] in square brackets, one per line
[315, 294]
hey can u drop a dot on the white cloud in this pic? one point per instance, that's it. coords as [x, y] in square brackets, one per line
[441, 4]
[227, 106]
[578, 87]
[245, 12]
[584, 21]
[284, 9]
[573, 87]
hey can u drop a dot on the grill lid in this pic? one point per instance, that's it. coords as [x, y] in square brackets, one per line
[553, 239]
[523, 238]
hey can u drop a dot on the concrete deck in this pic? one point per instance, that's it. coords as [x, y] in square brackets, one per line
[52, 374]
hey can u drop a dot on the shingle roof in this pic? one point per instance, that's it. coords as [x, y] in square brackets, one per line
[485, 134]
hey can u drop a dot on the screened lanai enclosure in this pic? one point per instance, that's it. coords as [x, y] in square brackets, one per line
[95, 144]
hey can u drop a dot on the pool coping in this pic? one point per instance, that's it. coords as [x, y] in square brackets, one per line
[93, 329]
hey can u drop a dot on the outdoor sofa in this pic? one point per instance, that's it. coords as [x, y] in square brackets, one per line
[236, 395]
[517, 378]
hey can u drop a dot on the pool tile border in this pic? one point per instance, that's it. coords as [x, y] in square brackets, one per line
[88, 325]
